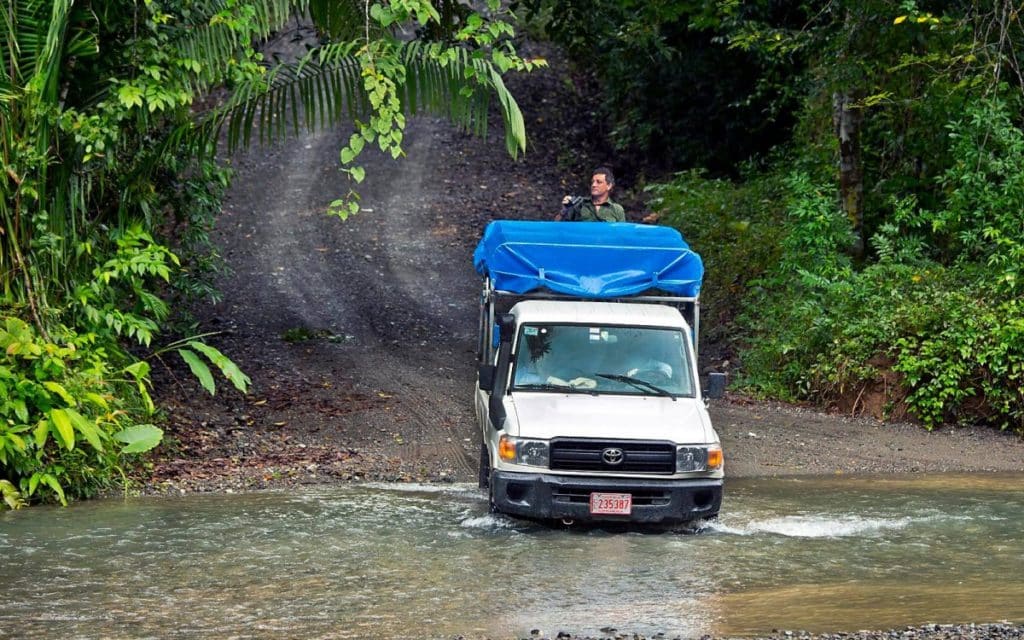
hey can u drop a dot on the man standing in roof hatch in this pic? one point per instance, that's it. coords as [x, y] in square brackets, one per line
[600, 207]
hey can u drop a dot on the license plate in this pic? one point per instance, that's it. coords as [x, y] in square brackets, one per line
[611, 503]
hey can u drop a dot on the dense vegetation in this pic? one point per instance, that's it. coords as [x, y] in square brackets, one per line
[110, 185]
[852, 171]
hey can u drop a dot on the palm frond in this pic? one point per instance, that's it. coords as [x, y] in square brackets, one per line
[324, 89]
[214, 46]
[515, 125]
[25, 24]
[46, 75]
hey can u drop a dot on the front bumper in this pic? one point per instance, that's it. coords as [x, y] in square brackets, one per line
[551, 497]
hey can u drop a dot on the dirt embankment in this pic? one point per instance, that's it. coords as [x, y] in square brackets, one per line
[359, 336]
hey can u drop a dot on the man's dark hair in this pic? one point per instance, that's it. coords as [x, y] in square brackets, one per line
[606, 172]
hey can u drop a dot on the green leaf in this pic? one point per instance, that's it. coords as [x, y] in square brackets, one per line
[130, 96]
[52, 482]
[62, 422]
[377, 12]
[42, 433]
[501, 60]
[138, 370]
[11, 495]
[146, 398]
[226, 366]
[139, 438]
[61, 391]
[199, 370]
[16, 440]
[356, 142]
[20, 409]
[357, 173]
[87, 428]
[97, 400]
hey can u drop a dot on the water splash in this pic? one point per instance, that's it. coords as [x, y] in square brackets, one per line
[814, 526]
[489, 522]
[460, 489]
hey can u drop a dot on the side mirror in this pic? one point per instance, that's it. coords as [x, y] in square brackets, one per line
[485, 374]
[506, 327]
[716, 385]
[496, 410]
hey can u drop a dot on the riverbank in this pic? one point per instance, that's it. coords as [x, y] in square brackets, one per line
[252, 444]
[991, 631]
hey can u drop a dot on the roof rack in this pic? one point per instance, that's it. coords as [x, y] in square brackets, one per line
[600, 261]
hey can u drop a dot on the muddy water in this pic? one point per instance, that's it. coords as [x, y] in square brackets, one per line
[400, 561]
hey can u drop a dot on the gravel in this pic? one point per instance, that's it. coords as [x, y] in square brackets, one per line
[990, 631]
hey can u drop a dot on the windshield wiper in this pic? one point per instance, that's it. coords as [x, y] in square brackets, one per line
[643, 385]
[541, 386]
[547, 386]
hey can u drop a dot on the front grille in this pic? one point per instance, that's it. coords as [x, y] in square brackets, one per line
[641, 497]
[589, 455]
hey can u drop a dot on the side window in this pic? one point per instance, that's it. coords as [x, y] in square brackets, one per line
[534, 347]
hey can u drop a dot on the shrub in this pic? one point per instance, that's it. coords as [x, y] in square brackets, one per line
[65, 404]
[940, 308]
[784, 322]
[735, 227]
[957, 346]
[74, 403]
[966, 363]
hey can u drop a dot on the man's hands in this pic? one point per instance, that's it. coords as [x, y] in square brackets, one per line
[566, 202]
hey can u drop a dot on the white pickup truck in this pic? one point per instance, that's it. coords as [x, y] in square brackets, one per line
[587, 397]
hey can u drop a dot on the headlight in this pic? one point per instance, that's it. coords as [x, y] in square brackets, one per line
[518, 451]
[690, 459]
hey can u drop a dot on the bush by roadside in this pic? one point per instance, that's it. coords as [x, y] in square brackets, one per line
[929, 326]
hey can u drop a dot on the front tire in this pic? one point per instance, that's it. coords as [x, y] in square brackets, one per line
[491, 506]
[484, 478]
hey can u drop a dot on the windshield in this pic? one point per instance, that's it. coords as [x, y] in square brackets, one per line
[594, 359]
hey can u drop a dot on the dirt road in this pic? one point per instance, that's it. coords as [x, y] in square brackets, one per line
[359, 336]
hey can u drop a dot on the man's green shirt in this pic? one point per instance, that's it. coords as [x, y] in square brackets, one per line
[607, 212]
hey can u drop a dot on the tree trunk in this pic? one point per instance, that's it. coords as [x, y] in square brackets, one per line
[847, 122]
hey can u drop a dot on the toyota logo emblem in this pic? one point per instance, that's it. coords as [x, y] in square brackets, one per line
[612, 455]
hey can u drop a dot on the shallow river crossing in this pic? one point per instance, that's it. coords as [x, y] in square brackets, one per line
[415, 561]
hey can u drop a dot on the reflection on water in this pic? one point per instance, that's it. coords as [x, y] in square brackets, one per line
[416, 561]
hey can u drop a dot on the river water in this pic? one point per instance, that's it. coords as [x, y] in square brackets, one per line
[415, 561]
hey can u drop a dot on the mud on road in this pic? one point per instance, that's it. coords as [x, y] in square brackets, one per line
[360, 336]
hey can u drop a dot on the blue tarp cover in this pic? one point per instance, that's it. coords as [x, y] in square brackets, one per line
[587, 259]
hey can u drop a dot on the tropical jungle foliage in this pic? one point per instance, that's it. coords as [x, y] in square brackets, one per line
[110, 185]
[852, 172]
